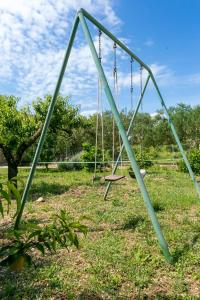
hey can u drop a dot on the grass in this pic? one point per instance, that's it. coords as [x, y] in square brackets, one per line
[120, 258]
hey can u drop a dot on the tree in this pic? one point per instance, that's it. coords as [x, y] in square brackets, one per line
[20, 127]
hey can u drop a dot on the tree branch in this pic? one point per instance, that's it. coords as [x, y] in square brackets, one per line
[7, 154]
[26, 144]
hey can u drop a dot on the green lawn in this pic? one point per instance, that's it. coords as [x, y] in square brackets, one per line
[120, 257]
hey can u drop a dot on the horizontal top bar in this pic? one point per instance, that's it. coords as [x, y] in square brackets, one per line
[118, 42]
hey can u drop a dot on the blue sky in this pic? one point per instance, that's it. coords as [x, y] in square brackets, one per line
[165, 34]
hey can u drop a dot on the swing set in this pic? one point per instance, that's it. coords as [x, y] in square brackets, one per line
[81, 18]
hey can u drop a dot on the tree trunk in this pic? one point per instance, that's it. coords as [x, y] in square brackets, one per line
[12, 172]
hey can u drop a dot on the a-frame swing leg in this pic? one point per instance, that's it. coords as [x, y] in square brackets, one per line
[176, 136]
[131, 155]
[128, 131]
[46, 124]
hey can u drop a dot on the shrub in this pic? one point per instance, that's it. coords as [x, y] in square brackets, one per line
[144, 159]
[8, 192]
[88, 156]
[194, 160]
[62, 232]
[77, 158]
[65, 166]
[71, 163]
[152, 152]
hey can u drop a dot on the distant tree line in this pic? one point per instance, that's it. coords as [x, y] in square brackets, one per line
[20, 128]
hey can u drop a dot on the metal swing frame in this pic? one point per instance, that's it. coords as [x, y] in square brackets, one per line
[81, 17]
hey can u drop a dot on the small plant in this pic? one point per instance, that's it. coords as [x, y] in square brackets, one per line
[65, 166]
[144, 159]
[88, 156]
[9, 191]
[72, 164]
[77, 159]
[62, 232]
[194, 160]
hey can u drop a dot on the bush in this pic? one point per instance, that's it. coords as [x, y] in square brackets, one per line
[62, 232]
[65, 166]
[71, 163]
[194, 160]
[88, 156]
[152, 152]
[77, 158]
[144, 159]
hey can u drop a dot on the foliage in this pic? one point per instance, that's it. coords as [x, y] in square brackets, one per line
[69, 130]
[194, 160]
[88, 156]
[63, 232]
[8, 191]
[16, 124]
[144, 158]
[72, 164]
[65, 166]
[20, 127]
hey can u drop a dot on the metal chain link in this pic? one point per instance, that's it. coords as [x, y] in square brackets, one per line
[131, 88]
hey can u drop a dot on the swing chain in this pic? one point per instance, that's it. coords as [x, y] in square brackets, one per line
[115, 59]
[100, 55]
[131, 88]
[142, 125]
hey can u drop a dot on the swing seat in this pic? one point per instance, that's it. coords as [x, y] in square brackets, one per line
[143, 172]
[113, 177]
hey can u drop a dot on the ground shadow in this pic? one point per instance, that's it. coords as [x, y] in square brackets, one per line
[162, 296]
[179, 252]
[87, 295]
[43, 189]
[133, 222]
[158, 207]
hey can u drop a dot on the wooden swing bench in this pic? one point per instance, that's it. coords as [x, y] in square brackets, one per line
[113, 177]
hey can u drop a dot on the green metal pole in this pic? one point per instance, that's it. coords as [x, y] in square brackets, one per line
[46, 124]
[176, 136]
[128, 131]
[131, 155]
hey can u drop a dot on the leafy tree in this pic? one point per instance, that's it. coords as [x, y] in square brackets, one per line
[20, 127]
[194, 160]
[182, 117]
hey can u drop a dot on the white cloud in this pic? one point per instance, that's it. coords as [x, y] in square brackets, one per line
[33, 38]
[193, 79]
[149, 43]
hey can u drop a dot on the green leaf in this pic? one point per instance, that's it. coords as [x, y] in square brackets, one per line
[34, 234]
[17, 179]
[1, 209]
[48, 246]
[17, 195]
[40, 247]
[5, 196]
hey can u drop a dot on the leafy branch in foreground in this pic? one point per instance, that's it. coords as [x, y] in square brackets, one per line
[9, 191]
[62, 232]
